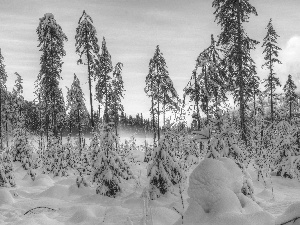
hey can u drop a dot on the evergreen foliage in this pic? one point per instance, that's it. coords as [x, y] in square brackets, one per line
[7, 178]
[117, 94]
[271, 54]
[87, 48]
[3, 79]
[51, 43]
[239, 65]
[291, 97]
[109, 167]
[159, 87]
[78, 114]
[21, 149]
[164, 170]
[104, 85]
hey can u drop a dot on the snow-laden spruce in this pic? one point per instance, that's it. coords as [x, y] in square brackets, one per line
[164, 169]
[51, 43]
[21, 149]
[109, 167]
[7, 178]
[78, 114]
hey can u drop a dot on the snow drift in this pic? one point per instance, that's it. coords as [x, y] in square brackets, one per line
[216, 198]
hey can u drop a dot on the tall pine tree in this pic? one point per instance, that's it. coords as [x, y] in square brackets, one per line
[3, 78]
[271, 57]
[230, 15]
[103, 86]
[87, 46]
[117, 95]
[159, 87]
[51, 42]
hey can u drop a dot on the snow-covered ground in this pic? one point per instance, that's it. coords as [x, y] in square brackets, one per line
[55, 201]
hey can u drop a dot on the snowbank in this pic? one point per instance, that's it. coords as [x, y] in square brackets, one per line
[82, 215]
[5, 197]
[290, 214]
[56, 191]
[216, 198]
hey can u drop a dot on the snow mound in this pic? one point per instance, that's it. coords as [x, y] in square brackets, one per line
[39, 219]
[162, 216]
[290, 214]
[82, 215]
[27, 177]
[133, 203]
[43, 182]
[66, 181]
[74, 190]
[216, 198]
[5, 197]
[56, 191]
[265, 194]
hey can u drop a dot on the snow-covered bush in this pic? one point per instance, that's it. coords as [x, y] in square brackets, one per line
[60, 162]
[6, 170]
[55, 158]
[285, 150]
[22, 151]
[148, 149]
[93, 149]
[124, 149]
[164, 169]
[72, 156]
[80, 180]
[109, 168]
[220, 140]
[216, 199]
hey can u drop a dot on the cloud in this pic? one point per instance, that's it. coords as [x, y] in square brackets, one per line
[290, 58]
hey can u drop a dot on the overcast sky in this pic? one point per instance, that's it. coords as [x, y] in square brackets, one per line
[132, 29]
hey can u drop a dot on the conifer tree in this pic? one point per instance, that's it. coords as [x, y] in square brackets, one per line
[159, 87]
[87, 46]
[150, 93]
[117, 95]
[6, 170]
[271, 56]
[22, 151]
[212, 80]
[290, 95]
[230, 15]
[76, 106]
[193, 91]
[109, 167]
[3, 78]
[104, 87]
[51, 42]
[164, 170]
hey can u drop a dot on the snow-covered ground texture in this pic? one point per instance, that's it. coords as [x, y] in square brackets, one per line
[212, 195]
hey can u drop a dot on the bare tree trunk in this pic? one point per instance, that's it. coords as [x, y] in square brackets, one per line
[1, 144]
[79, 131]
[6, 128]
[197, 100]
[158, 128]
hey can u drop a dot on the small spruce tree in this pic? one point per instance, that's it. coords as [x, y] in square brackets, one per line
[109, 167]
[290, 95]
